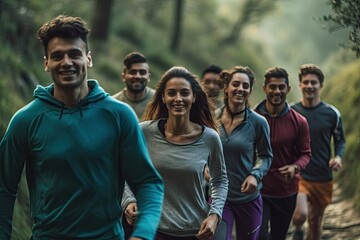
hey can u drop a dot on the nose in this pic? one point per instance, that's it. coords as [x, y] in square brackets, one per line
[178, 97]
[277, 90]
[66, 60]
[137, 74]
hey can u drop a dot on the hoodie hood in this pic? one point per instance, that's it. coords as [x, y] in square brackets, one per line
[46, 94]
[261, 108]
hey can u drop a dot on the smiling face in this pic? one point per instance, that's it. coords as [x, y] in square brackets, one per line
[238, 90]
[178, 97]
[310, 87]
[67, 61]
[276, 90]
[136, 77]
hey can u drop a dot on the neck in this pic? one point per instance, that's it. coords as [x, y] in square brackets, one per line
[273, 110]
[71, 97]
[233, 111]
[176, 127]
[135, 95]
[310, 102]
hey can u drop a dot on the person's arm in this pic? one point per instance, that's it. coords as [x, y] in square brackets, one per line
[303, 147]
[339, 145]
[141, 176]
[128, 203]
[218, 176]
[263, 150]
[12, 157]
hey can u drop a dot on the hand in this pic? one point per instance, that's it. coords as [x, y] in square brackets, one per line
[249, 185]
[131, 213]
[335, 163]
[208, 227]
[207, 174]
[288, 171]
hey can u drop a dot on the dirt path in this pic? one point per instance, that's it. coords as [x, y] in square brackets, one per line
[341, 222]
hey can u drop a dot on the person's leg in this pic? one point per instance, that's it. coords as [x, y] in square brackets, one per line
[281, 215]
[248, 219]
[300, 215]
[301, 209]
[321, 197]
[264, 231]
[315, 218]
[228, 218]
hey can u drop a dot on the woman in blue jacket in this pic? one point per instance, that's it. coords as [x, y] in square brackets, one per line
[246, 142]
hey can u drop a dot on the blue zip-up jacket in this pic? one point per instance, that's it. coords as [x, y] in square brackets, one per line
[77, 160]
[247, 151]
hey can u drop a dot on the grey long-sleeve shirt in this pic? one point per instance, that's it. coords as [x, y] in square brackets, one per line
[182, 168]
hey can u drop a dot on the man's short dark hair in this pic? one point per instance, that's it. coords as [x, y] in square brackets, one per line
[64, 27]
[212, 69]
[276, 72]
[311, 69]
[133, 57]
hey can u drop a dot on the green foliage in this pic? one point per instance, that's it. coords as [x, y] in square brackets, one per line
[346, 14]
[342, 90]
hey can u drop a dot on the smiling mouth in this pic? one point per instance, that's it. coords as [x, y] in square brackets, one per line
[67, 73]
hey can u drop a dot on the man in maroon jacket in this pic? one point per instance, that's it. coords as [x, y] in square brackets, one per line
[290, 142]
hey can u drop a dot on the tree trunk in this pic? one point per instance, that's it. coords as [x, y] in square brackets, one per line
[101, 19]
[178, 13]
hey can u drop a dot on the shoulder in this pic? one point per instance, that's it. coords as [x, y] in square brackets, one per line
[331, 108]
[149, 125]
[255, 117]
[210, 133]
[151, 91]
[211, 137]
[297, 115]
[119, 95]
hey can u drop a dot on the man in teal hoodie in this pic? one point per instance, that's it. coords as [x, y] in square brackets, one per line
[79, 145]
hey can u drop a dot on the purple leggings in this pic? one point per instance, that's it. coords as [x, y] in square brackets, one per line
[247, 218]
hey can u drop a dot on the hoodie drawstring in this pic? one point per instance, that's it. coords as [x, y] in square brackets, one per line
[61, 111]
[81, 105]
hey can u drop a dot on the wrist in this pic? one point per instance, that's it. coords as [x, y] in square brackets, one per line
[296, 168]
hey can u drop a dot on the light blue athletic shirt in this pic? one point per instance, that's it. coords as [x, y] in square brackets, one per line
[247, 151]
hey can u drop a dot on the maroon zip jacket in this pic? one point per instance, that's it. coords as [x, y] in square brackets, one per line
[290, 142]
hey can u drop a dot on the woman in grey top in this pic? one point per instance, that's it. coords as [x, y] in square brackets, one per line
[245, 136]
[181, 135]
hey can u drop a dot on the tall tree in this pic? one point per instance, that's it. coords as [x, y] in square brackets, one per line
[101, 20]
[248, 10]
[178, 16]
[346, 14]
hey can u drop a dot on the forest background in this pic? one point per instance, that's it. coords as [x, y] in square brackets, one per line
[194, 34]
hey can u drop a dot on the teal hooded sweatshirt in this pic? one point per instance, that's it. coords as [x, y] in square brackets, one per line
[77, 160]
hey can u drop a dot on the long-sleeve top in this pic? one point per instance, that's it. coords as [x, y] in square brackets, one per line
[290, 143]
[324, 123]
[77, 160]
[182, 168]
[137, 105]
[247, 151]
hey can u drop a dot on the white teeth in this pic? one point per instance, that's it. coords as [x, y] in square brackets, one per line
[67, 72]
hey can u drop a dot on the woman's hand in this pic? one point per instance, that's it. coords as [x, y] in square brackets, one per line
[249, 185]
[208, 227]
[131, 213]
